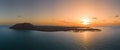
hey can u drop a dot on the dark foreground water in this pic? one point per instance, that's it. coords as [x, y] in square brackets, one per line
[107, 39]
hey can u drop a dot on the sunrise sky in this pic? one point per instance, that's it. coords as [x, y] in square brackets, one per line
[61, 12]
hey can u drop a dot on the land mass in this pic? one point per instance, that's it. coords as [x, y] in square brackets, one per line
[29, 26]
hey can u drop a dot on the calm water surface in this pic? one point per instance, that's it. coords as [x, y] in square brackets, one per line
[107, 39]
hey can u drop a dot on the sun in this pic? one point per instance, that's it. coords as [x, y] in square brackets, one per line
[85, 21]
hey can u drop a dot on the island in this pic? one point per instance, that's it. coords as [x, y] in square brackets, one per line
[29, 26]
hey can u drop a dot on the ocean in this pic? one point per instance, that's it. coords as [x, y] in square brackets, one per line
[107, 39]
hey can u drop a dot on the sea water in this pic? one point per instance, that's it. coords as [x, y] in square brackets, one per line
[107, 39]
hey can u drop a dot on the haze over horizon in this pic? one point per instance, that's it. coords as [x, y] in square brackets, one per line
[61, 12]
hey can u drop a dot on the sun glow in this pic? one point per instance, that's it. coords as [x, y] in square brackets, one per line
[85, 21]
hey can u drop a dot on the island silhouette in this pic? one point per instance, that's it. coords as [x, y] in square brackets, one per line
[29, 26]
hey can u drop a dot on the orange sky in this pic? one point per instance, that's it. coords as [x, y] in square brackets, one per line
[64, 13]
